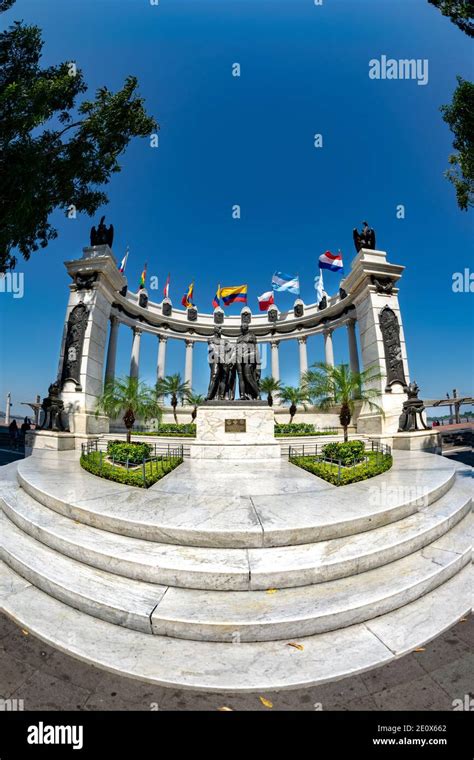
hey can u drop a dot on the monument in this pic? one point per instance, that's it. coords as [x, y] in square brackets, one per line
[230, 428]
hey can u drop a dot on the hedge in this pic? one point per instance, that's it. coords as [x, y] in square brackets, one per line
[347, 452]
[299, 428]
[154, 470]
[181, 429]
[134, 453]
[376, 464]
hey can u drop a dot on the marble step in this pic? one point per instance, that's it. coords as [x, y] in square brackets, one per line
[121, 601]
[238, 569]
[248, 667]
[236, 615]
[200, 504]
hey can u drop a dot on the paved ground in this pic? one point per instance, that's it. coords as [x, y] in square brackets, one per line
[48, 680]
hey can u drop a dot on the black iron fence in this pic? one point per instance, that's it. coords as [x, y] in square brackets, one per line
[372, 450]
[157, 455]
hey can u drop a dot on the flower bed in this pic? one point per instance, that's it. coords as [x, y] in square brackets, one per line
[375, 464]
[144, 476]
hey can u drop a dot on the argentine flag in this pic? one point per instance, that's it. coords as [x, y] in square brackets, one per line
[282, 281]
[331, 261]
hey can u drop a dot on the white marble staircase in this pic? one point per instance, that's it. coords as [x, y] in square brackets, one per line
[181, 587]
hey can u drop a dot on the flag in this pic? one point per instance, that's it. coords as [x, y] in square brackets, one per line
[166, 289]
[265, 300]
[319, 287]
[331, 261]
[143, 277]
[289, 282]
[124, 262]
[187, 299]
[237, 293]
[216, 300]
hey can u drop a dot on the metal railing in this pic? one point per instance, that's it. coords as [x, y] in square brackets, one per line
[158, 454]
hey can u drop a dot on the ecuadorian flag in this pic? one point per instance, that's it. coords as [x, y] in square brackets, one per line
[216, 300]
[187, 299]
[235, 294]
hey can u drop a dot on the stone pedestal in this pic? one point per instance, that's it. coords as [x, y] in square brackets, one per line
[51, 440]
[48, 439]
[238, 431]
[418, 440]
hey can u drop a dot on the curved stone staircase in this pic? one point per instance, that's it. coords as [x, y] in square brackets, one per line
[237, 579]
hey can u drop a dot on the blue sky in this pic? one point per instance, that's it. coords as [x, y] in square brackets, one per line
[249, 141]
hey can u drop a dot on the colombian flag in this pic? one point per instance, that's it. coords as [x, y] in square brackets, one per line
[235, 294]
[216, 300]
[143, 277]
[187, 299]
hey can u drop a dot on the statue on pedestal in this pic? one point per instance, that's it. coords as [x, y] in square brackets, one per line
[248, 364]
[364, 239]
[219, 357]
[53, 406]
[102, 235]
[411, 417]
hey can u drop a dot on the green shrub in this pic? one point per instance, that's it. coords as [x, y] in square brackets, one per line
[186, 430]
[346, 452]
[299, 428]
[376, 464]
[134, 453]
[154, 470]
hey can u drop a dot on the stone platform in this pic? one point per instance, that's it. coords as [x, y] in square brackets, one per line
[238, 430]
[161, 584]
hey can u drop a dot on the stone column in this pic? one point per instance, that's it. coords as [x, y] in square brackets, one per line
[188, 366]
[135, 357]
[96, 280]
[161, 363]
[275, 359]
[372, 284]
[353, 352]
[112, 350]
[328, 348]
[303, 355]
[7, 408]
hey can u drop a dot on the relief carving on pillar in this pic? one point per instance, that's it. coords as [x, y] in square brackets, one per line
[383, 285]
[272, 314]
[85, 281]
[390, 328]
[76, 328]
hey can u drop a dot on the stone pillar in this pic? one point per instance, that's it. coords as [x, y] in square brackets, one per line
[37, 410]
[112, 350]
[372, 284]
[7, 408]
[96, 281]
[275, 359]
[328, 348]
[188, 366]
[353, 352]
[135, 357]
[161, 363]
[303, 355]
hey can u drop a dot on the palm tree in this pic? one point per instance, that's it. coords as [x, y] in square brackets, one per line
[195, 400]
[173, 386]
[130, 396]
[327, 385]
[269, 386]
[293, 396]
